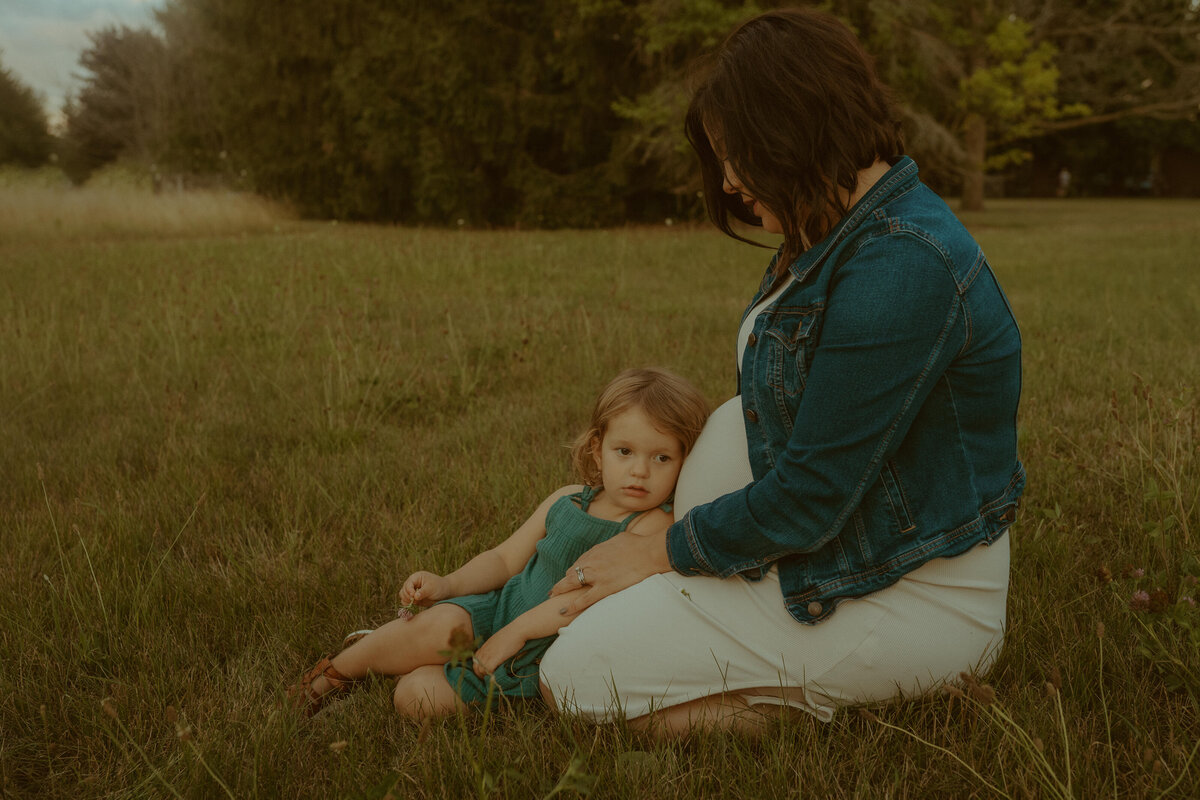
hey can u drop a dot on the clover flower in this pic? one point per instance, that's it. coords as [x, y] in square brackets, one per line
[1140, 601]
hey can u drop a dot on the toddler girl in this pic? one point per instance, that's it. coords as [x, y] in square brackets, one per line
[643, 425]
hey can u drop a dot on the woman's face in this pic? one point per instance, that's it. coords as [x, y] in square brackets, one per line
[733, 185]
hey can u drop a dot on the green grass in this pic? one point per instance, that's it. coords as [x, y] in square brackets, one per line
[222, 448]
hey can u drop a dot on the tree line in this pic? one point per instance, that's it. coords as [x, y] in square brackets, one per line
[569, 112]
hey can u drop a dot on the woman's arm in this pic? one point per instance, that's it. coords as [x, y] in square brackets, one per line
[609, 567]
[894, 322]
[620, 562]
[543, 619]
[490, 569]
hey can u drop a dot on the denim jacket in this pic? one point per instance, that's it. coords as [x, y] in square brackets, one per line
[879, 396]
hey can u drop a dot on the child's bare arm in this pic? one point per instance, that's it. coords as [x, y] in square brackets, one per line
[542, 620]
[490, 569]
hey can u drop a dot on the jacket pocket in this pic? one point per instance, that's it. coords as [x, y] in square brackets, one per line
[790, 339]
[894, 490]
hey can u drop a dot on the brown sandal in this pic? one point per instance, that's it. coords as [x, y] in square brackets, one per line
[308, 701]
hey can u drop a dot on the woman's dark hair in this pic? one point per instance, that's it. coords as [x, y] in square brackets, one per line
[795, 106]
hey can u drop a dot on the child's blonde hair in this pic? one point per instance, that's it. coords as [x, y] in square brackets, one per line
[673, 404]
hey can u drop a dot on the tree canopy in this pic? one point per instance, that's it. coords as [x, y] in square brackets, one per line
[569, 112]
[24, 137]
[118, 110]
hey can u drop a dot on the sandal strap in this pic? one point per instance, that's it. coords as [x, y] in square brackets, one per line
[337, 680]
[307, 699]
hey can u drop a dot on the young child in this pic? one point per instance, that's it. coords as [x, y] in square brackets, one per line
[643, 425]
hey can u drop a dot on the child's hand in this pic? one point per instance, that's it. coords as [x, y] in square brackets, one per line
[424, 589]
[504, 644]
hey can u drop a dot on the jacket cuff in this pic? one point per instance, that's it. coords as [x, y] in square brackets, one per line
[682, 549]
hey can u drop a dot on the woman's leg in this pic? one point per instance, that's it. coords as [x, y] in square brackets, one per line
[676, 652]
[725, 712]
[424, 693]
[677, 643]
[401, 646]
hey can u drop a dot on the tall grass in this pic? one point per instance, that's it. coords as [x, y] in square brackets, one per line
[41, 206]
[223, 448]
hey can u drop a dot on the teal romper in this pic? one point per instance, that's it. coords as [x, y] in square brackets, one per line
[570, 532]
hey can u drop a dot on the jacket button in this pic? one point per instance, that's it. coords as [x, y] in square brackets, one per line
[750, 342]
[751, 415]
[814, 609]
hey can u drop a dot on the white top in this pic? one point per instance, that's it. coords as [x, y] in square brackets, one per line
[719, 462]
[748, 322]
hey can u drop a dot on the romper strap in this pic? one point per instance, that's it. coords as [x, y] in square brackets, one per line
[587, 496]
[625, 523]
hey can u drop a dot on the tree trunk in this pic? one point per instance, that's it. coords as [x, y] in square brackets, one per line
[975, 146]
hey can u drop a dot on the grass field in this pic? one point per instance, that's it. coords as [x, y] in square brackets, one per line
[225, 444]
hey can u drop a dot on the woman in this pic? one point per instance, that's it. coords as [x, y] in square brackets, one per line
[840, 531]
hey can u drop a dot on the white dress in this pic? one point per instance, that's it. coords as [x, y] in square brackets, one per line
[671, 639]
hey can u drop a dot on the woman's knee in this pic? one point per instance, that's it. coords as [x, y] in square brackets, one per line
[424, 692]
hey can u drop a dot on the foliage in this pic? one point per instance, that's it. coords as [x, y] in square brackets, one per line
[977, 71]
[1015, 89]
[1015, 71]
[24, 137]
[1128, 58]
[555, 113]
[118, 111]
[416, 110]
[670, 34]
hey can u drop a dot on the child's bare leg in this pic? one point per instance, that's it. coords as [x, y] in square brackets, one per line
[425, 692]
[400, 646]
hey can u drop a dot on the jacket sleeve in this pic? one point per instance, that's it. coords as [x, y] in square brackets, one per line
[893, 321]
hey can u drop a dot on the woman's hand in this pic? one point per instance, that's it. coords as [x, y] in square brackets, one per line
[424, 589]
[503, 645]
[611, 566]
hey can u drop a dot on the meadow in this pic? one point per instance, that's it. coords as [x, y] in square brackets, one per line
[226, 436]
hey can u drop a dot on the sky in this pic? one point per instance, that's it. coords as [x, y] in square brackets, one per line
[40, 40]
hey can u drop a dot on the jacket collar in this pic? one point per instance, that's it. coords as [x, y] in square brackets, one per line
[901, 177]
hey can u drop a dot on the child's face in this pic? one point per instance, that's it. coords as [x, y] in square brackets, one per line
[638, 463]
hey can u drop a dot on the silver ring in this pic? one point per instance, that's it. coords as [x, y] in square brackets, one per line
[579, 575]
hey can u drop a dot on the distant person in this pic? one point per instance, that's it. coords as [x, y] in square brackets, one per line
[642, 427]
[1146, 187]
[1064, 182]
[841, 522]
